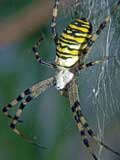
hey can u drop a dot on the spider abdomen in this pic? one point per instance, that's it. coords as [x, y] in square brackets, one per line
[72, 42]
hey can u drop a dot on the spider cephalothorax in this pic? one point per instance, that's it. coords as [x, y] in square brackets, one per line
[72, 46]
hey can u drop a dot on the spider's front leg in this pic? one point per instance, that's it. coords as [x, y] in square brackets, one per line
[18, 114]
[80, 118]
[10, 105]
[77, 114]
[31, 93]
[15, 121]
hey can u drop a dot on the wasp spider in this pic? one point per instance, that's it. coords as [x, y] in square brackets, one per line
[72, 46]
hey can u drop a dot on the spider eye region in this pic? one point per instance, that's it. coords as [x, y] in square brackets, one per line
[63, 78]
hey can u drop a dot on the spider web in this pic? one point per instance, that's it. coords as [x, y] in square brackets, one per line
[101, 83]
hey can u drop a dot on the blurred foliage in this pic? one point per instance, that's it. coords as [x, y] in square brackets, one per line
[8, 8]
[48, 117]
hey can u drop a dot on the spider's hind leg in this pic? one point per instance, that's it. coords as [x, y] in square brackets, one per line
[101, 28]
[53, 24]
[37, 56]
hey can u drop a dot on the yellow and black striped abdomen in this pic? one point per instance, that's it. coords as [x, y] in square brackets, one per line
[72, 42]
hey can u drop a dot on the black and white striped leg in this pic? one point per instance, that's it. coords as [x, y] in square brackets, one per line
[20, 110]
[7, 107]
[101, 28]
[37, 55]
[76, 109]
[31, 93]
[53, 24]
[90, 64]
[35, 90]
[77, 114]
[16, 118]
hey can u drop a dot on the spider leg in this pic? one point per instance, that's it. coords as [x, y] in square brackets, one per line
[90, 64]
[15, 120]
[10, 105]
[36, 90]
[53, 24]
[76, 110]
[37, 56]
[101, 28]
[94, 137]
[41, 86]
